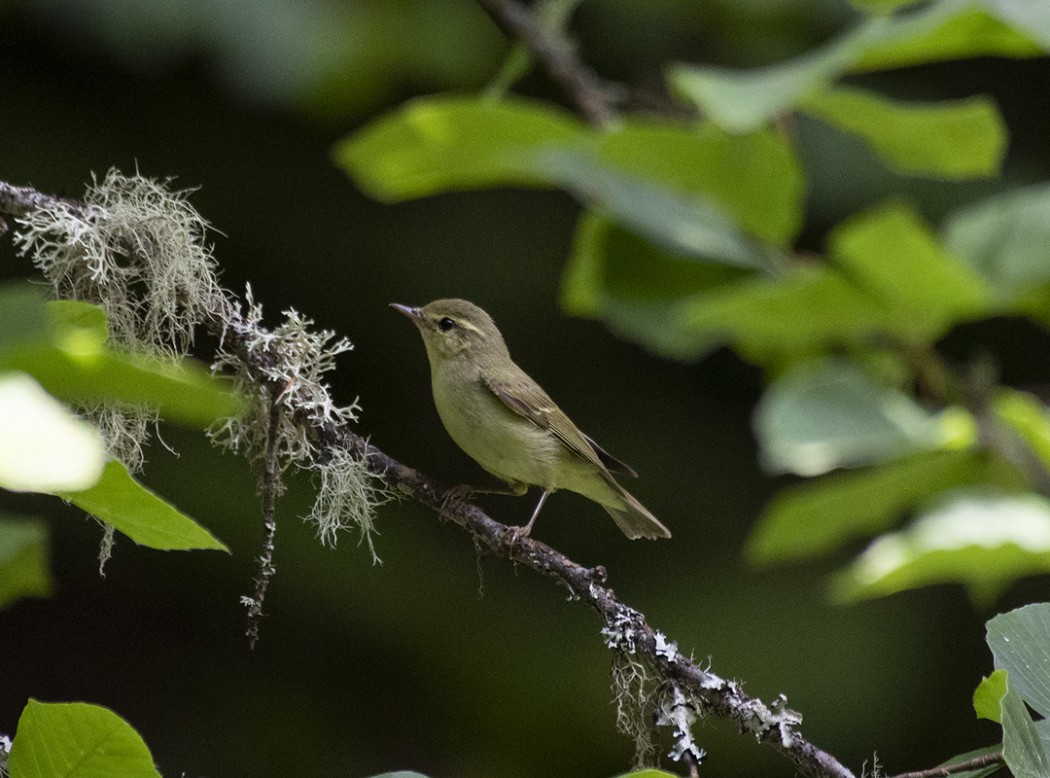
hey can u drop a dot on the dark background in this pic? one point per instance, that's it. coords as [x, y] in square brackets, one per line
[437, 660]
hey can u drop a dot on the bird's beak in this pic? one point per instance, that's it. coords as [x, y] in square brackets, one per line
[412, 313]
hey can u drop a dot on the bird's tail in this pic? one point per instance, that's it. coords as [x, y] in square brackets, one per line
[634, 520]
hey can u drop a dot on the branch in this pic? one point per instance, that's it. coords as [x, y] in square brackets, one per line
[977, 763]
[557, 53]
[684, 689]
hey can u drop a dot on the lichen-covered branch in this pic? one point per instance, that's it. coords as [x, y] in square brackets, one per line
[657, 683]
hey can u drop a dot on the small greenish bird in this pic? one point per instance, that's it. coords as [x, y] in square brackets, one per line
[504, 421]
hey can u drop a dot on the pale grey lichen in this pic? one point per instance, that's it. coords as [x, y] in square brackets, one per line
[138, 250]
[678, 711]
[297, 358]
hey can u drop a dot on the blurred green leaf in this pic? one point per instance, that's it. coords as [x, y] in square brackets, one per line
[636, 287]
[121, 501]
[746, 100]
[743, 101]
[882, 6]
[1003, 238]
[981, 540]
[1028, 417]
[648, 773]
[682, 222]
[46, 448]
[891, 253]
[77, 740]
[440, 145]
[1020, 644]
[988, 696]
[25, 569]
[830, 414]
[756, 178]
[1032, 17]
[770, 320]
[950, 139]
[434, 145]
[941, 31]
[62, 345]
[817, 517]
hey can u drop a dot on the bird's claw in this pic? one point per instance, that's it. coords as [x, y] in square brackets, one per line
[456, 497]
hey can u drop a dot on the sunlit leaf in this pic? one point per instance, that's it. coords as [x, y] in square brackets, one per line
[46, 448]
[121, 501]
[25, 569]
[831, 414]
[819, 516]
[988, 696]
[981, 540]
[950, 139]
[77, 740]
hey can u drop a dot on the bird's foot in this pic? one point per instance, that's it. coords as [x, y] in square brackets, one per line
[456, 497]
[512, 535]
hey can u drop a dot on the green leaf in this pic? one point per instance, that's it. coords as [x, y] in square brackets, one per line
[692, 225]
[891, 253]
[756, 178]
[435, 145]
[831, 414]
[817, 517]
[950, 139]
[941, 31]
[120, 500]
[439, 145]
[1031, 17]
[771, 321]
[46, 448]
[1028, 417]
[24, 567]
[636, 287]
[62, 345]
[648, 773]
[1020, 644]
[743, 101]
[1023, 749]
[982, 540]
[1003, 237]
[988, 695]
[882, 6]
[77, 740]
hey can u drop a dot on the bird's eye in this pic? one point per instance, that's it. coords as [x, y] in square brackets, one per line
[446, 324]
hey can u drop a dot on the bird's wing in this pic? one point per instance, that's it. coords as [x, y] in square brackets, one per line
[525, 397]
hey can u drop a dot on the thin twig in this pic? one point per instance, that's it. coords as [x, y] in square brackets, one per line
[978, 762]
[269, 487]
[626, 630]
[557, 53]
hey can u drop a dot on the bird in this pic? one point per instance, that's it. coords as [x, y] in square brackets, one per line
[509, 425]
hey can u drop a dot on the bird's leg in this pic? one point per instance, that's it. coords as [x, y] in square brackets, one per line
[524, 531]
